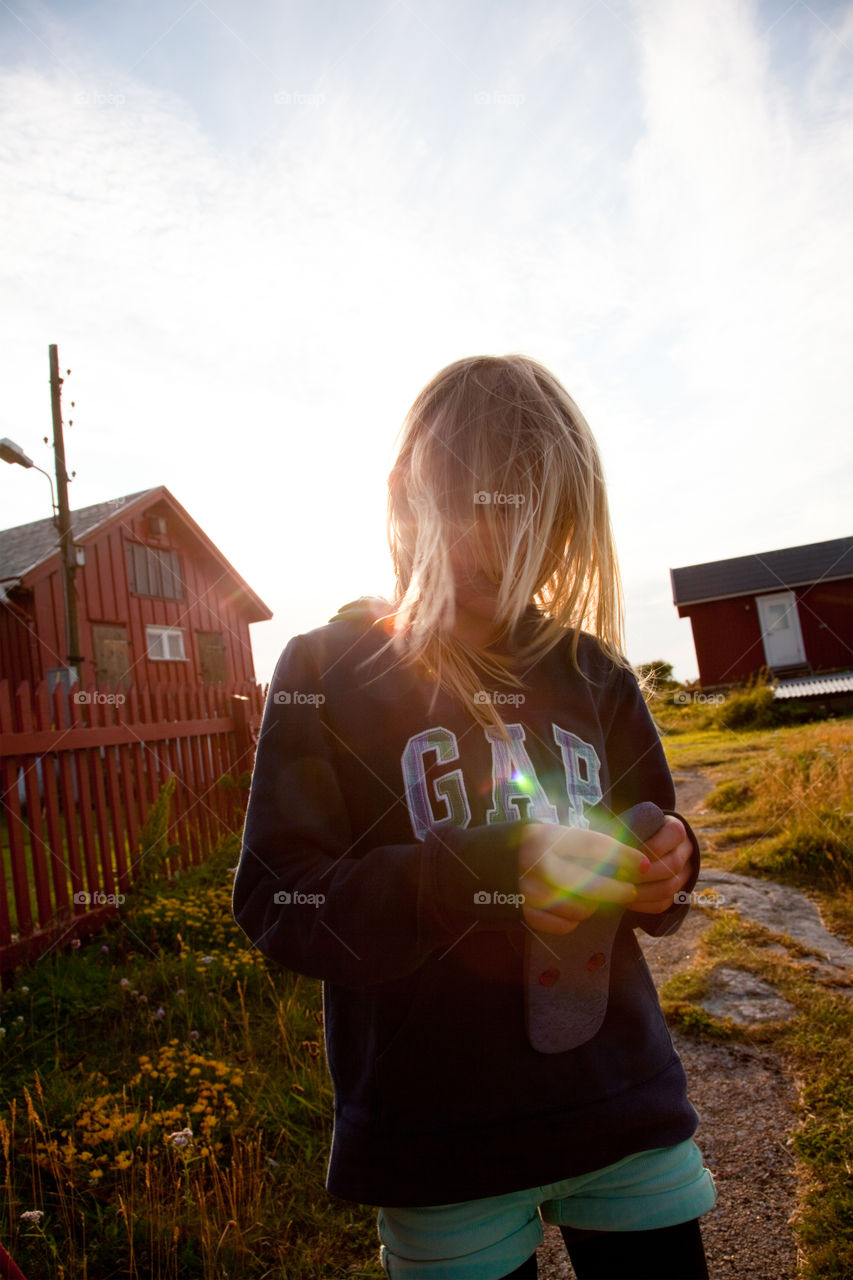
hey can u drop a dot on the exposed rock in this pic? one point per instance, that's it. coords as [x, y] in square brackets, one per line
[784, 910]
[746, 999]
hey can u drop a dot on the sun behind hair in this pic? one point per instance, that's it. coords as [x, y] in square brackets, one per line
[496, 458]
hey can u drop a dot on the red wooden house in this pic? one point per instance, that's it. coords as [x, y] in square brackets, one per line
[790, 611]
[158, 604]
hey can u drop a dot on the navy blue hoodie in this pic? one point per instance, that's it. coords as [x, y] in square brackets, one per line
[380, 854]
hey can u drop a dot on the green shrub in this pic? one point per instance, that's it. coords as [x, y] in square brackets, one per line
[154, 848]
[749, 709]
[815, 856]
[655, 675]
[728, 797]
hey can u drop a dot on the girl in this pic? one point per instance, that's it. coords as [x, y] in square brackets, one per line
[432, 831]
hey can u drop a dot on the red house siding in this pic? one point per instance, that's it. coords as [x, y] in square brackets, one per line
[214, 600]
[18, 642]
[826, 618]
[727, 637]
[48, 614]
[727, 633]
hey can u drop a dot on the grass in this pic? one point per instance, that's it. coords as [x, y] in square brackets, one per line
[781, 806]
[166, 1107]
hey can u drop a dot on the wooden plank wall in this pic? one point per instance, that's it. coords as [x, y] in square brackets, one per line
[78, 775]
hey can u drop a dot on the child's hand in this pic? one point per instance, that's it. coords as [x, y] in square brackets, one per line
[566, 872]
[669, 849]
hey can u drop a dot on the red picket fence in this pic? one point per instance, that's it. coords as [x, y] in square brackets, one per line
[78, 774]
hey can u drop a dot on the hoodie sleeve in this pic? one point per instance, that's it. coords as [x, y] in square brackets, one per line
[354, 921]
[639, 771]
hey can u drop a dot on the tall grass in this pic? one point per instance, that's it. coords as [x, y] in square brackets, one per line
[798, 794]
[166, 1110]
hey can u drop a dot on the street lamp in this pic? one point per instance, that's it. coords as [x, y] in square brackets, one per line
[72, 557]
[11, 452]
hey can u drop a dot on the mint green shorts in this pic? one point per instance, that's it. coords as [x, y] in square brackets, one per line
[486, 1239]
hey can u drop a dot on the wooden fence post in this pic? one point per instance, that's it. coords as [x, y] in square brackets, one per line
[240, 710]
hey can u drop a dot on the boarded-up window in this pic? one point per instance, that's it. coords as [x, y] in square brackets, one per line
[211, 653]
[112, 656]
[152, 572]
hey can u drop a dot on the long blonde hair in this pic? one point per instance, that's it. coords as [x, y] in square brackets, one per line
[494, 450]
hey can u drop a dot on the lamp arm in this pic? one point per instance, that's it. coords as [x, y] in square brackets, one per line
[52, 494]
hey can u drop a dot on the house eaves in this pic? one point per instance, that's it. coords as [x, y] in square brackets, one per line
[766, 571]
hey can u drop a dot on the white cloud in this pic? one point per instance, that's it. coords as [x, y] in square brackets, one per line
[662, 219]
[741, 229]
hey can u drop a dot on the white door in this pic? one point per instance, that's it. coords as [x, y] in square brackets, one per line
[780, 629]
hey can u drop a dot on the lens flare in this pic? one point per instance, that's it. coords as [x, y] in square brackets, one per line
[524, 784]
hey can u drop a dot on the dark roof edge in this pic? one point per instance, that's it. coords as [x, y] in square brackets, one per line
[760, 591]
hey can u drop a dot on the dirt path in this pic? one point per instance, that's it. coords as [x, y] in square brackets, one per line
[746, 1105]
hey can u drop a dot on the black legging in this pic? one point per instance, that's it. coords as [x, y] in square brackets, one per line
[666, 1253]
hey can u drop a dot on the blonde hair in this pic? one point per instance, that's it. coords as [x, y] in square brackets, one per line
[495, 451]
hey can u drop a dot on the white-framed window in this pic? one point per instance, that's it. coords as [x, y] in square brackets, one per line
[165, 644]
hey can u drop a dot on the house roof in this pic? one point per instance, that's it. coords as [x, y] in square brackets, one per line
[764, 571]
[28, 546]
[25, 546]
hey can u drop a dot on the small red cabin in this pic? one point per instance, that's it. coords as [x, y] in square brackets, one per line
[157, 602]
[790, 611]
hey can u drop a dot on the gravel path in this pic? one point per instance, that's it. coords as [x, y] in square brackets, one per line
[742, 1093]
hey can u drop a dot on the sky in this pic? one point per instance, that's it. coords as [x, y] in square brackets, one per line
[256, 231]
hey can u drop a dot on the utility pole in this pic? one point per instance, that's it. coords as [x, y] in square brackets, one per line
[72, 637]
